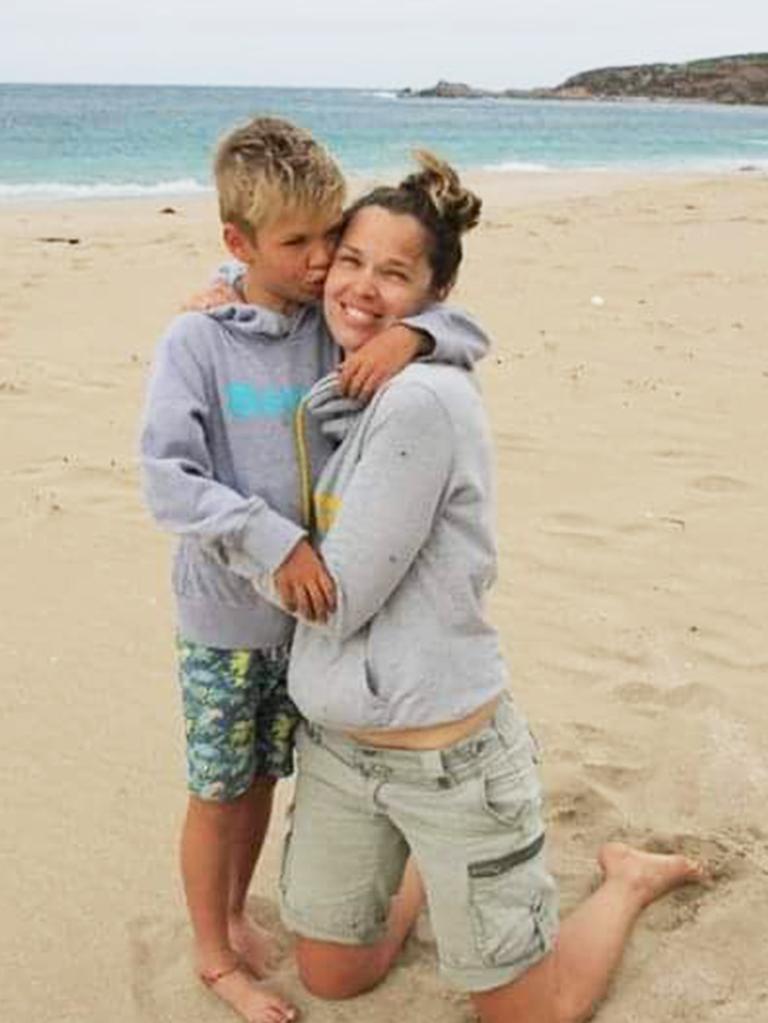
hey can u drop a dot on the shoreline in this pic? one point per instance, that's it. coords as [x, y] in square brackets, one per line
[524, 185]
[580, 177]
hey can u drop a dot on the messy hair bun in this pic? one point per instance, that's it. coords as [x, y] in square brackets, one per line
[452, 201]
[435, 197]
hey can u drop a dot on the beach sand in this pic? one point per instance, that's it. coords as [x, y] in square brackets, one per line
[627, 391]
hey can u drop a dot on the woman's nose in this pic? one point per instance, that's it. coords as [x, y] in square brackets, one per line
[364, 284]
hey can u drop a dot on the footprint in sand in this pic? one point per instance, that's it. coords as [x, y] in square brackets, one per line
[520, 442]
[579, 805]
[87, 487]
[575, 528]
[160, 969]
[691, 696]
[718, 484]
[637, 694]
[618, 776]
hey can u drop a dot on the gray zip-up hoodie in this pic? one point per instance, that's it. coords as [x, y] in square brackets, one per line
[404, 512]
[219, 458]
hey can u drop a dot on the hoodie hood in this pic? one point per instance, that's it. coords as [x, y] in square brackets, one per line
[255, 321]
[334, 413]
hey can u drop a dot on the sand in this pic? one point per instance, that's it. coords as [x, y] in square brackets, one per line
[627, 391]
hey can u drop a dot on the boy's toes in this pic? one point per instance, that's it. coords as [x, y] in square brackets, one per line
[254, 1003]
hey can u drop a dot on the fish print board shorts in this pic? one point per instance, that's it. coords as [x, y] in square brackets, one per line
[238, 717]
[471, 813]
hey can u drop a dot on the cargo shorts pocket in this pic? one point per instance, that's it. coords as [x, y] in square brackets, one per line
[513, 907]
[511, 793]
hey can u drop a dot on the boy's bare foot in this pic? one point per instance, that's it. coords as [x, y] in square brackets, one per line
[236, 986]
[255, 945]
[649, 875]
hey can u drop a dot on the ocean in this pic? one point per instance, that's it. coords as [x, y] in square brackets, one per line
[81, 141]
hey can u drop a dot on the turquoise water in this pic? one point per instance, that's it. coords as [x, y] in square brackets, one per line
[79, 140]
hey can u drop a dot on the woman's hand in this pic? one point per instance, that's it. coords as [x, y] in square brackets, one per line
[217, 294]
[363, 372]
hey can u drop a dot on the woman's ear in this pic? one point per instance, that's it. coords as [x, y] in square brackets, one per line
[442, 293]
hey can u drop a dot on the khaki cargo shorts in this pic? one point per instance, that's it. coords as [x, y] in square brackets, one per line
[470, 813]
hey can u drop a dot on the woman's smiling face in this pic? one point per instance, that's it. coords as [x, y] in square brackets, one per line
[380, 273]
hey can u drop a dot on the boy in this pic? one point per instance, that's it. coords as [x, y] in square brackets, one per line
[220, 471]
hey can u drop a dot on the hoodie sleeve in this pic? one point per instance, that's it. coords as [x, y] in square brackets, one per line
[179, 487]
[389, 507]
[458, 339]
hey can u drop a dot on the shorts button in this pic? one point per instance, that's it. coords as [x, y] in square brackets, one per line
[443, 782]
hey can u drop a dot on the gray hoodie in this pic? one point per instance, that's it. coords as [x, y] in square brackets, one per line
[219, 458]
[404, 512]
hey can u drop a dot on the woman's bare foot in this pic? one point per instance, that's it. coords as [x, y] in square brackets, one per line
[237, 986]
[649, 875]
[255, 945]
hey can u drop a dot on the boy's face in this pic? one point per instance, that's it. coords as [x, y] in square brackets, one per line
[288, 259]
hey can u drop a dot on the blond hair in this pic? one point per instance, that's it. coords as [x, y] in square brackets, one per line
[269, 166]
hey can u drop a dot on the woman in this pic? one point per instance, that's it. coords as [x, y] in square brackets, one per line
[411, 741]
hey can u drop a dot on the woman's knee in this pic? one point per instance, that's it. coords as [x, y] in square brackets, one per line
[336, 972]
[574, 1007]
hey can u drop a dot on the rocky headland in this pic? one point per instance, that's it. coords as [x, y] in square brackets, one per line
[740, 79]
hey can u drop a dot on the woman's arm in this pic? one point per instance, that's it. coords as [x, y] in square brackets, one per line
[389, 507]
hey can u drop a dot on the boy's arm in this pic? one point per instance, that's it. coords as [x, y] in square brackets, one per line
[439, 333]
[179, 486]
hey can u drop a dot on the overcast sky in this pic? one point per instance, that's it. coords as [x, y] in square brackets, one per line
[384, 43]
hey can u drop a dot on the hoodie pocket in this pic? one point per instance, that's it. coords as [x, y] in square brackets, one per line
[330, 680]
[371, 668]
[371, 681]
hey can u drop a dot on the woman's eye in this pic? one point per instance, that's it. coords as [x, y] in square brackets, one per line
[348, 260]
[396, 275]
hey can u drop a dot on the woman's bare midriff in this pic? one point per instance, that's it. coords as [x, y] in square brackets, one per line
[434, 737]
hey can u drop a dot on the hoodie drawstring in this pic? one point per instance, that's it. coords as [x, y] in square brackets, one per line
[305, 467]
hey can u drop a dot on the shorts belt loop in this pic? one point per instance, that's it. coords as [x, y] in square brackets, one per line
[433, 762]
[500, 717]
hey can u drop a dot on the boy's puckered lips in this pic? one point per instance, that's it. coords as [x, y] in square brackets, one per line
[315, 284]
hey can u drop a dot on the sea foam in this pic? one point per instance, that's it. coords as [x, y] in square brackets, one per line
[102, 190]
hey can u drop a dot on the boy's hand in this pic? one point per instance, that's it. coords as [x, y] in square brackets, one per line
[304, 585]
[363, 372]
[218, 294]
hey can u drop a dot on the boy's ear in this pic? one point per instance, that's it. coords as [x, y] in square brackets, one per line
[237, 242]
